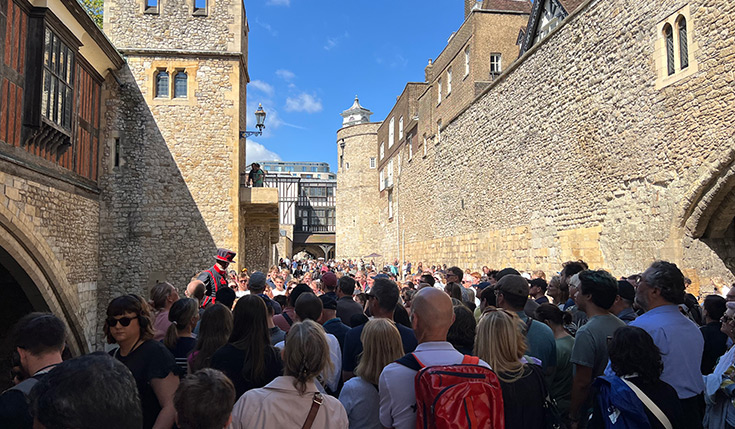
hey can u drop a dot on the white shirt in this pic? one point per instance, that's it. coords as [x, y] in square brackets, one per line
[277, 292]
[361, 401]
[330, 376]
[397, 395]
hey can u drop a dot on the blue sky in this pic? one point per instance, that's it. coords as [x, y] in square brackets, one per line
[309, 58]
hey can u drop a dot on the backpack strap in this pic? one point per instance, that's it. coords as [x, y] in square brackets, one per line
[410, 361]
[655, 410]
[470, 360]
[287, 318]
[529, 322]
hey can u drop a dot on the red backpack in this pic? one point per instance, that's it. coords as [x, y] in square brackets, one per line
[467, 395]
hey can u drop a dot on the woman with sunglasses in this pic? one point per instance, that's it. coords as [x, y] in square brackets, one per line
[719, 387]
[129, 325]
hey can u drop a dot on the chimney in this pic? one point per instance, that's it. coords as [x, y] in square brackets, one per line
[428, 72]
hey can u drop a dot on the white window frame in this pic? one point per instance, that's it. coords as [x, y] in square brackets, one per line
[499, 61]
[439, 92]
[467, 61]
[410, 148]
[400, 128]
[438, 130]
[425, 148]
[449, 80]
[372, 162]
[391, 132]
[390, 172]
[381, 185]
[390, 204]
[382, 150]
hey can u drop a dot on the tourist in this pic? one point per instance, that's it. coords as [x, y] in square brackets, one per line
[287, 317]
[636, 362]
[730, 296]
[560, 388]
[279, 288]
[512, 294]
[720, 386]
[129, 325]
[38, 339]
[715, 340]
[258, 285]
[256, 176]
[537, 290]
[88, 392]
[214, 332]
[381, 346]
[432, 315]
[215, 412]
[461, 334]
[276, 334]
[163, 295]
[329, 284]
[242, 284]
[569, 269]
[215, 277]
[595, 295]
[195, 289]
[179, 340]
[623, 305]
[288, 401]
[226, 296]
[558, 294]
[331, 323]
[381, 303]
[248, 358]
[500, 342]
[660, 290]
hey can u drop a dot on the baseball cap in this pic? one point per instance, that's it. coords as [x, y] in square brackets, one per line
[513, 284]
[626, 290]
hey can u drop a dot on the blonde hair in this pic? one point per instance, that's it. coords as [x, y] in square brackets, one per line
[381, 345]
[500, 342]
[306, 353]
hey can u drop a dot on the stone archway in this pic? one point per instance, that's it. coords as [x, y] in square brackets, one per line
[35, 269]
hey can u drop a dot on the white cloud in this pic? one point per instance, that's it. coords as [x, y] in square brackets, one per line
[278, 2]
[333, 42]
[256, 152]
[286, 75]
[263, 87]
[267, 27]
[303, 103]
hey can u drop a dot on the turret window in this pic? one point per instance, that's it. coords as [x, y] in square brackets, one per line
[675, 48]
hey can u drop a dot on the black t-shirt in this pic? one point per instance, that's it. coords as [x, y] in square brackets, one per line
[524, 398]
[715, 345]
[229, 359]
[184, 346]
[150, 360]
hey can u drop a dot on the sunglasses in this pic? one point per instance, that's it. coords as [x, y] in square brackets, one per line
[124, 321]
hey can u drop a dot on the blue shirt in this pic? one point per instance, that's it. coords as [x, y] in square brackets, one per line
[338, 329]
[681, 346]
[353, 345]
[541, 342]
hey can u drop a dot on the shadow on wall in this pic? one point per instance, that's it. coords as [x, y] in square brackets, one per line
[150, 226]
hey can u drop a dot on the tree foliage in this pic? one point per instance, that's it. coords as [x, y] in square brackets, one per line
[94, 8]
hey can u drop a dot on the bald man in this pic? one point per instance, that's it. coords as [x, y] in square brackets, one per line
[431, 317]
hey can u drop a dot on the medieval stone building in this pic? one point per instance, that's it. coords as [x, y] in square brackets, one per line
[120, 154]
[608, 140]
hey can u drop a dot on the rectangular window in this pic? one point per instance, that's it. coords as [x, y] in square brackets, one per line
[425, 149]
[495, 63]
[180, 84]
[390, 173]
[438, 130]
[382, 150]
[314, 169]
[381, 185]
[151, 6]
[467, 61]
[449, 80]
[439, 92]
[390, 204]
[372, 162]
[58, 75]
[116, 162]
[391, 132]
[200, 7]
[409, 141]
[400, 128]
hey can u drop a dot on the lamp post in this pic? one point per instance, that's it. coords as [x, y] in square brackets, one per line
[260, 124]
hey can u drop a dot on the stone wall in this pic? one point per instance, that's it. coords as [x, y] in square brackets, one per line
[574, 153]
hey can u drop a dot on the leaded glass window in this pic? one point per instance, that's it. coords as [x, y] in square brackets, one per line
[683, 47]
[58, 74]
[180, 81]
[669, 34]
[162, 84]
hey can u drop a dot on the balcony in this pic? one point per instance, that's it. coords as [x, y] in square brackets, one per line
[314, 229]
[260, 206]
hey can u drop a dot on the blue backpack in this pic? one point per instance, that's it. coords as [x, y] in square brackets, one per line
[619, 405]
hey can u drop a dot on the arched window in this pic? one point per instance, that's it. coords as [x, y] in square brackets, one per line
[683, 47]
[180, 80]
[162, 84]
[669, 35]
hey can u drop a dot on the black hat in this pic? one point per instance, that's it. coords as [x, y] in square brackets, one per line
[626, 290]
[328, 302]
[225, 255]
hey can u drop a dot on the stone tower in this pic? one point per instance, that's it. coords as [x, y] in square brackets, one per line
[189, 58]
[357, 184]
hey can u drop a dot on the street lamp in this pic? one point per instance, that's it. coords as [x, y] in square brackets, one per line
[260, 124]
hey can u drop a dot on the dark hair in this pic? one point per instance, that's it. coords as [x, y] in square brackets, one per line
[214, 331]
[454, 290]
[88, 392]
[250, 334]
[538, 281]
[428, 278]
[386, 292]
[309, 307]
[400, 315]
[296, 293]
[346, 284]
[130, 304]
[571, 268]
[632, 351]
[505, 271]
[180, 316]
[516, 302]
[225, 296]
[488, 294]
[667, 277]
[715, 306]
[457, 272]
[39, 333]
[462, 332]
[194, 413]
[282, 300]
[600, 285]
[553, 314]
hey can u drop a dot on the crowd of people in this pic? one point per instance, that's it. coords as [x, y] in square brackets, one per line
[317, 344]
